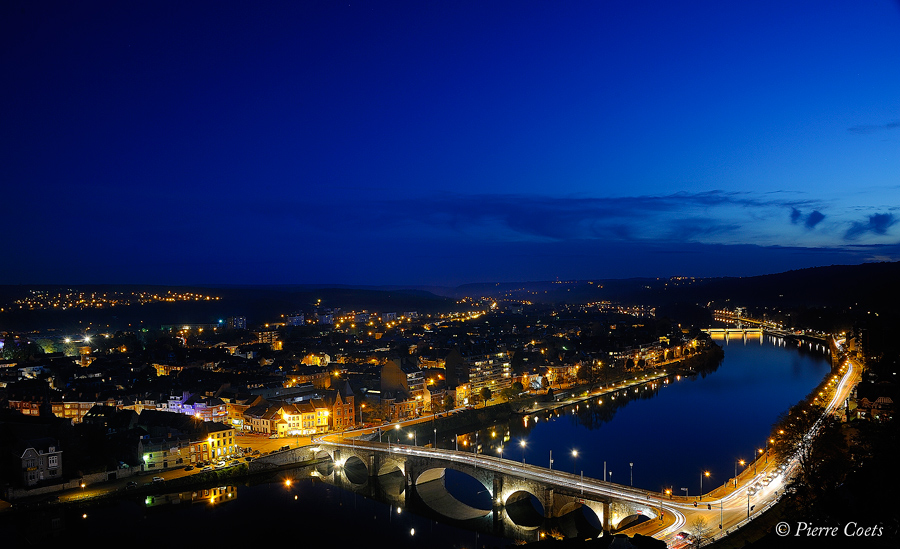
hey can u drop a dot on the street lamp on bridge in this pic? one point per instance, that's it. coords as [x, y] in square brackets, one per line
[522, 444]
[741, 462]
[574, 458]
[703, 474]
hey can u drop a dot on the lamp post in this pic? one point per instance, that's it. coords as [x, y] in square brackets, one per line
[702, 474]
[748, 502]
[500, 451]
[522, 443]
[551, 460]
[415, 436]
[631, 472]
[741, 462]
[574, 462]
[435, 437]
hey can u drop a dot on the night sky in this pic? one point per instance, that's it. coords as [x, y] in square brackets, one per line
[444, 142]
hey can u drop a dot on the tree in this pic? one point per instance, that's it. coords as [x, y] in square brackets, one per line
[700, 529]
[791, 434]
[486, 395]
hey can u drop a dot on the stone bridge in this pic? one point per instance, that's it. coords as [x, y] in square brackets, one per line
[524, 498]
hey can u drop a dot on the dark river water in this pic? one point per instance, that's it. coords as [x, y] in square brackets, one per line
[671, 430]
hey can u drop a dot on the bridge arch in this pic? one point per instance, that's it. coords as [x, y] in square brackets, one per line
[431, 488]
[354, 469]
[577, 520]
[324, 461]
[524, 509]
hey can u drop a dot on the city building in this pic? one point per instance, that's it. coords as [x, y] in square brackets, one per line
[40, 460]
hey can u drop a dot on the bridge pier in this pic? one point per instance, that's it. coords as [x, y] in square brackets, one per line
[606, 525]
[548, 508]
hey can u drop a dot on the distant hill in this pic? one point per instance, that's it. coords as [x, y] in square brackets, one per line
[258, 303]
[871, 285]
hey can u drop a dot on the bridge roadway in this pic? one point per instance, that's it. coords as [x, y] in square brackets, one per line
[724, 509]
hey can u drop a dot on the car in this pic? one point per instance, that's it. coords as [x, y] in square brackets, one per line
[273, 437]
[131, 485]
[157, 480]
[682, 535]
[207, 468]
[248, 458]
[189, 468]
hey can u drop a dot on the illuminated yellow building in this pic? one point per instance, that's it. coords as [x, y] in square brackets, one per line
[217, 444]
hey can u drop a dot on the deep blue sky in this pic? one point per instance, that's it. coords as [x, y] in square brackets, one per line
[445, 142]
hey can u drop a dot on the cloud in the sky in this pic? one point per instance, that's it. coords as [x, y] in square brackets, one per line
[878, 224]
[814, 219]
[716, 217]
[875, 128]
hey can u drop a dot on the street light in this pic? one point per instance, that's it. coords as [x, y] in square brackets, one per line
[500, 451]
[741, 462]
[522, 443]
[574, 457]
[631, 473]
[703, 474]
[415, 438]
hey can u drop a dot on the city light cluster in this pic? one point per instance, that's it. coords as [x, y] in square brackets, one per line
[73, 299]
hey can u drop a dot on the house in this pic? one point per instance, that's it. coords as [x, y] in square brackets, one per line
[342, 403]
[40, 460]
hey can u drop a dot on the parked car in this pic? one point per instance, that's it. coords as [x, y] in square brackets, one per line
[131, 485]
[189, 468]
[157, 480]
